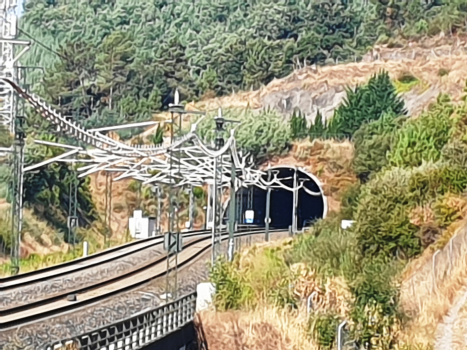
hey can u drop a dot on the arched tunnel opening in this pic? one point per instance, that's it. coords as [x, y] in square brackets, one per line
[309, 207]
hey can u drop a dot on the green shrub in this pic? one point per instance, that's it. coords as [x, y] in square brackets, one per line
[281, 293]
[443, 71]
[455, 153]
[433, 180]
[447, 212]
[158, 136]
[372, 143]
[382, 224]
[423, 138]
[232, 291]
[325, 249]
[365, 104]
[323, 329]
[198, 192]
[407, 78]
[261, 133]
[349, 201]
[375, 308]
[382, 216]
[5, 236]
[405, 87]
[405, 82]
[134, 186]
[6, 138]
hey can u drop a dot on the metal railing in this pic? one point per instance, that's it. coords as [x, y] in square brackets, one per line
[135, 332]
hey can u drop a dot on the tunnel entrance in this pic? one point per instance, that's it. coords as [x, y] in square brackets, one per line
[309, 208]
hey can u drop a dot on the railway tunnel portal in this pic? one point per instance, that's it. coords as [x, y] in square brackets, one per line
[311, 201]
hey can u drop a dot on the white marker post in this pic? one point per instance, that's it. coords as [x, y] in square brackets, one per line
[85, 249]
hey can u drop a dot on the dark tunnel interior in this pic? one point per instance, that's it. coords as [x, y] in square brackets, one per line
[310, 208]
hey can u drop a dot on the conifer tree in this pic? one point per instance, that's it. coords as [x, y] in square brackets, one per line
[318, 128]
[298, 125]
[367, 103]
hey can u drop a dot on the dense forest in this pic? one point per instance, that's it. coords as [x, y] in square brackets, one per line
[108, 61]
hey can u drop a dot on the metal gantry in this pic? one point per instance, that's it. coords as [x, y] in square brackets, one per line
[108, 209]
[184, 161]
[9, 56]
[191, 213]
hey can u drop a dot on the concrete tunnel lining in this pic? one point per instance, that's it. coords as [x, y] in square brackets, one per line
[309, 207]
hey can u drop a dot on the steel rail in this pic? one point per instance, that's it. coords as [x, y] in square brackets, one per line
[73, 267]
[79, 277]
[32, 312]
[77, 264]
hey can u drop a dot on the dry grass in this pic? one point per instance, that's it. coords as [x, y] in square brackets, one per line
[263, 328]
[123, 203]
[427, 302]
[330, 295]
[459, 339]
[38, 237]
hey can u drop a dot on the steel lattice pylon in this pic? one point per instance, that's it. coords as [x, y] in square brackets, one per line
[108, 208]
[17, 196]
[8, 59]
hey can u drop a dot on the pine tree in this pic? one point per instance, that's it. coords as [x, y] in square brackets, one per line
[318, 128]
[367, 103]
[298, 125]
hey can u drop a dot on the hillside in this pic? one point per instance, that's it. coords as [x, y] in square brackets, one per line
[103, 67]
[370, 96]
[322, 89]
[438, 68]
[404, 211]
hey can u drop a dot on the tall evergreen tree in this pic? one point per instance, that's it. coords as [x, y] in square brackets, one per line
[318, 128]
[367, 103]
[298, 125]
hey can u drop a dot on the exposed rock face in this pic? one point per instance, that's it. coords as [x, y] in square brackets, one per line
[324, 99]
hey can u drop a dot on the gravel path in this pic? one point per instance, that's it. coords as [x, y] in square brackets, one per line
[122, 306]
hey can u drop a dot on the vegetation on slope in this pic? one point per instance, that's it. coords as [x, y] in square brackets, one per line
[112, 62]
[412, 186]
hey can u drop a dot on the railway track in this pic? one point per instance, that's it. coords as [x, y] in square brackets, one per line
[52, 305]
[22, 291]
[80, 263]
